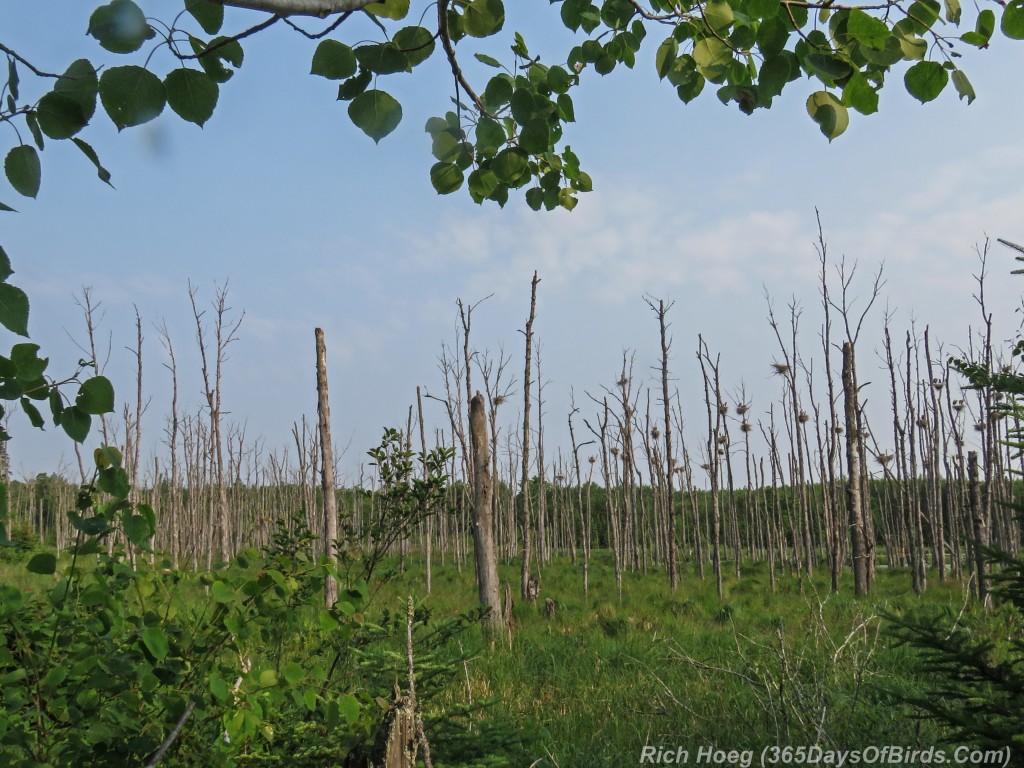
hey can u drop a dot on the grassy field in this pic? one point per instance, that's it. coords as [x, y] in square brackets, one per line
[612, 673]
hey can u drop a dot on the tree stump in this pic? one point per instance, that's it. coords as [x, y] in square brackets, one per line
[549, 608]
[532, 590]
[397, 741]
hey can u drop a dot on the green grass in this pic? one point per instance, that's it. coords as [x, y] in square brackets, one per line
[612, 673]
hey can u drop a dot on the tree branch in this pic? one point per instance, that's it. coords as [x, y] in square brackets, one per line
[320, 8]
[449, 50]
[14, 55]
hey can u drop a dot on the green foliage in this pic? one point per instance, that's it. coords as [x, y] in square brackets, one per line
[507, 130]
[405, 498]
[110, 660]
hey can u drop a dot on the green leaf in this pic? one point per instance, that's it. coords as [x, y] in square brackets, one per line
[6, 207]
[773, 76]
[382, 58]
[293, 673]
[986, 23]
[828, 68]
[13, 309]
[963, 86]
[5, 265]
[326, 620]
[44, 563]
[558, 80]
[953, 11]
[354, 85]
[830, 115]
[309, 699]
[925, 80]
[12, 78]
[60, 116]
[713, 58]
[34, 416]
[866, 29]
[1013, 20]
[80, 83]
[96, 396]
[375, 113]
[212, 56]
[191, 94]
[11, 600]
[209, 15]
[666, 56]
[923, 14]
[219, 688]
[75, 423]
[222, 593]
[499, 91]
[138, 530]
[23, 170]
[490, 61]
[53, 678]
[131, 95]
[333, 60]
[718, 15]
[763, 9]
[396, 10]
[446, 177]
[89, 152]
[509, 165]
[120, 26]
[483, 18]
[772, 35]
[156, 642]
[482, 182]
[114, 480]
[107, 456]
[348, 706]
[535, 138]
[861, 95]
[417, 43]
[268, 678]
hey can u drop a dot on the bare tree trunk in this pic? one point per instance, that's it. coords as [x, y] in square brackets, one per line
[980, 528]
[327, 482]
[483, 519]
[524, 519]
[858, 545]
[224, 335]
[666, 343]
[428, 523]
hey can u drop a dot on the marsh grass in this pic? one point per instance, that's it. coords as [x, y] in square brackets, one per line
[611, 673]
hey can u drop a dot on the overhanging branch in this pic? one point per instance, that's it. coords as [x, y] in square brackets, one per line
[320, 8]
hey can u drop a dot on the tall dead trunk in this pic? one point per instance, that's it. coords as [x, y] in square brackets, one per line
[483, 520]
[980, 527]
[855, 501]
[524, 518]
[327, 482]
[672, 555]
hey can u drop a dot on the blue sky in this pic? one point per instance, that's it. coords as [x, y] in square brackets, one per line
[312, 224]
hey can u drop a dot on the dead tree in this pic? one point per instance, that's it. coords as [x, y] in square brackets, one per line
[666, 343]
[855, 501]
[225, 331]
[524, 486]
[713, 449]
[486, 555]
[327, 482]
